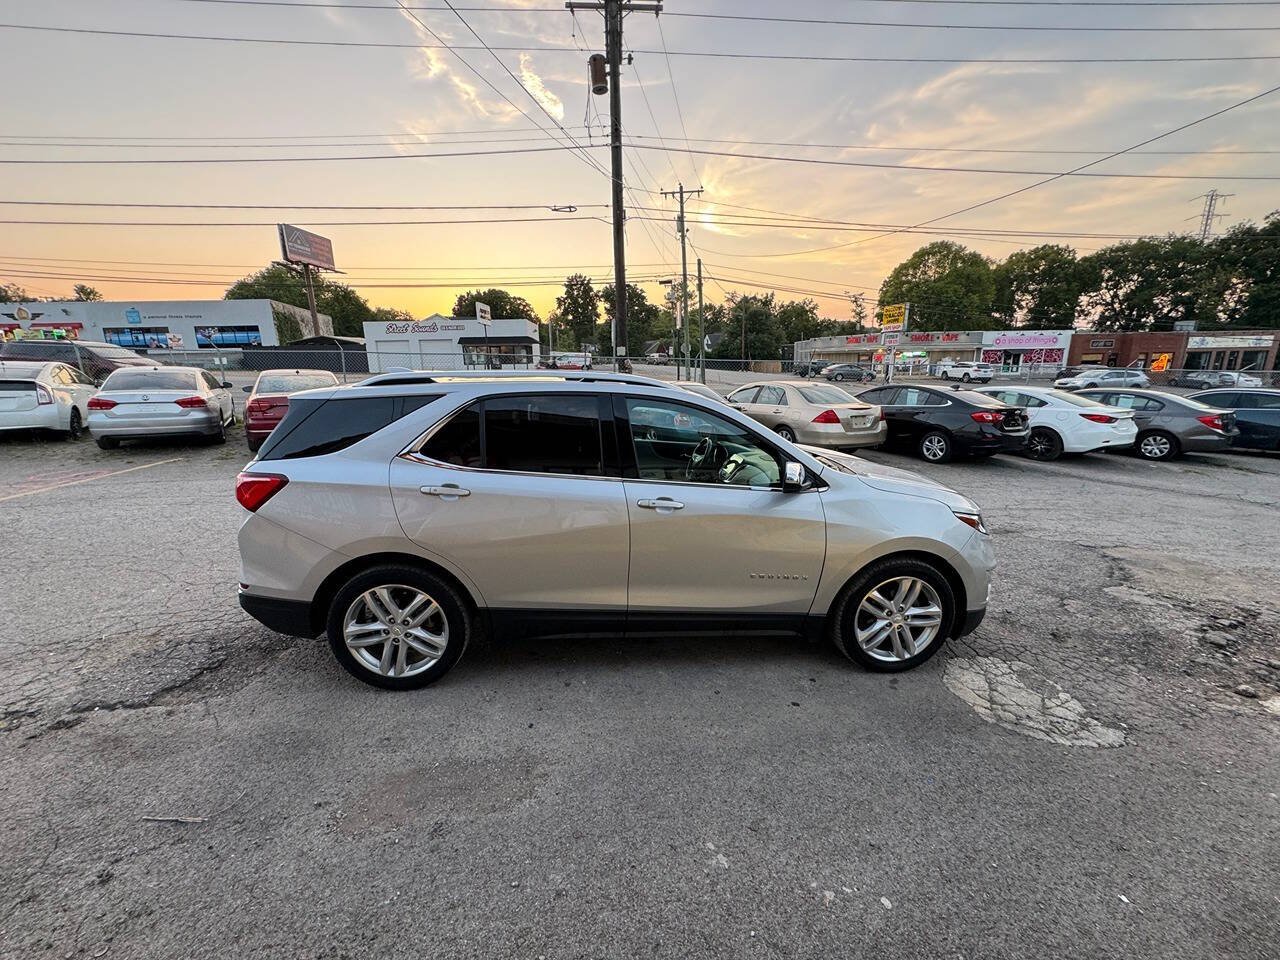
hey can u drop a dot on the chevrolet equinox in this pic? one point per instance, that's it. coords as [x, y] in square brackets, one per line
[400, 515]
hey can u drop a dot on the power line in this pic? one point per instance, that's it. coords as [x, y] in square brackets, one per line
[324, 159]
[675, 95]
[291, 206]
[314, 223]
[715, 54]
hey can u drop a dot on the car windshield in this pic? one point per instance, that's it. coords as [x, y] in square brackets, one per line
[1075, 399]
[150, 380]
[293, 382]
[823, 393]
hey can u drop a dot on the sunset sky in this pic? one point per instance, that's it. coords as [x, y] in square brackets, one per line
[78, 96]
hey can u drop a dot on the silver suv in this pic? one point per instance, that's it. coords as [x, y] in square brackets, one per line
[401, 514]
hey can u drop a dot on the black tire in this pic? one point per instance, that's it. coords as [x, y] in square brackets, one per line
[255, 443]
[75, 426]
[842, 621]
[935, 447]
[786, 433]
[220, 436]
[453, 609]
[837, 376]
[966, 378]
[946, 376]
[1044, 444]
[1156, 445]
[108, 443]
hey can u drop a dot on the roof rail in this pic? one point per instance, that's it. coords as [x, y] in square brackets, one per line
[412, 377]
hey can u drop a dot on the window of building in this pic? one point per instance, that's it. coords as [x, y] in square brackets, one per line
[228, 336]
[1253, 360]
[137, 337]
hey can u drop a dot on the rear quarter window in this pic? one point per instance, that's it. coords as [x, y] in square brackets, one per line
[314, 427]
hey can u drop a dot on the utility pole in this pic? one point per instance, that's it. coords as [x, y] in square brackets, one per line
[684, 268]
[614, 10]
[1209, 214]
[702, 331]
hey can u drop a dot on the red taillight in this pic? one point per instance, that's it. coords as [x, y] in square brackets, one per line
[191, 403]
[255, 489]
[1212, 421]
[43, 394]
[100, 403]
[1099, 417]
[263, 404]
[882, 414]
[987, 416]
[827, 416]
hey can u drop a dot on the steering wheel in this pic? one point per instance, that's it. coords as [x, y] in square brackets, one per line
[707, 455]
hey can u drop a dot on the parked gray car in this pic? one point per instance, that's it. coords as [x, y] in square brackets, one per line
[1089, 378]
[398, 514]
[1169, 425]
[137, 402]
[821, 414]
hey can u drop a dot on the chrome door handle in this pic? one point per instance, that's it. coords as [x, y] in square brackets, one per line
[662, 503]
[445, 490]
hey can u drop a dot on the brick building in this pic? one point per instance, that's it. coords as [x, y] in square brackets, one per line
[1191, 350]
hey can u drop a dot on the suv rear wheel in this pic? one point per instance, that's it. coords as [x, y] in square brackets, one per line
[398, 627]
[894, 615]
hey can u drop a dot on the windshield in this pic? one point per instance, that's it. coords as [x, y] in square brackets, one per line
[150, 380]
[293, 382]
[822, 393]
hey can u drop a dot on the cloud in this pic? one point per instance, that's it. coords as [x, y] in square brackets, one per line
[533, 83]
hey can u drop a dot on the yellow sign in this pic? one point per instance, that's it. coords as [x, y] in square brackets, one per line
[893, 316]
[1161, 362]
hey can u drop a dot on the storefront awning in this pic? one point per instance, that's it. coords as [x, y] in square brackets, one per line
[494, 341]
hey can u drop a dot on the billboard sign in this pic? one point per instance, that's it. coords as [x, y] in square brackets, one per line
[302, 246]
[483, 313]
[893, 317]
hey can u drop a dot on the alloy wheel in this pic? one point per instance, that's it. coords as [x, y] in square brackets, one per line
[395, 630]
[897, 619]
[1155, 446]
[933, 448]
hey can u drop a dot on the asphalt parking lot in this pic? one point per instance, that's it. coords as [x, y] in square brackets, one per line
[1094, 773]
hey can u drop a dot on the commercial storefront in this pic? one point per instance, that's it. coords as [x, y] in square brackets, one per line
[168, 325]
[1240, 352]
[1015, 350]
[1166, 350]
[450, 343]
[1011, 350]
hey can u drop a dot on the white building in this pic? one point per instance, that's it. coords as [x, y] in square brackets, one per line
[154, 325]
[450, 343]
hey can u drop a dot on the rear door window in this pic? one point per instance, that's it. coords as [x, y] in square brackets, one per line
[458, 440]
[314, 427]
[544, 434]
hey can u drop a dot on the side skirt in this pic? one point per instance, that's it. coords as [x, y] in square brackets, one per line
[515, 622]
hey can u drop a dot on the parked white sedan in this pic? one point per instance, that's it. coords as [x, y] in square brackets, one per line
[36, 395]
[1062, 422]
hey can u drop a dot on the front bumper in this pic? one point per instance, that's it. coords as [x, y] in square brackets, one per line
[290, 617]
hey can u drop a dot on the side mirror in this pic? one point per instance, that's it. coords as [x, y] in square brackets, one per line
[248, 389]
[792, 475]
[227, 385]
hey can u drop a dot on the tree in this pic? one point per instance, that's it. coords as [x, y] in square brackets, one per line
[12, 293]
[642, 320]
[1039, 288]
[579, 310]
[948, 286]
[1151, 283]
[502, 305]
[1251, 255]
[752, 331]
[392, 315]
[84, 292]
[347, 308]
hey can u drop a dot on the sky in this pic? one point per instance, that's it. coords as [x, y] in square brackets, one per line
[81, 96]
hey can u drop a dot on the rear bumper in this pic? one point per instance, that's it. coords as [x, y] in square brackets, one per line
[44, 417]
[290, 617]
[836, 437]
[1208, 444]
[101, 425]
[992, 441]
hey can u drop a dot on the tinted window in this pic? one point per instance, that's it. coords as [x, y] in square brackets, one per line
[881, 395]
[210, 381]
[558, 434]
[111, 353]
[82, 378]
[915, 397]
[1027, 400]
[1266, 401]
[1222, 399]
[41, 351]
[745, 395]
[1129, 401]
[143, 379]
[686, 445]
[312, 428]
[773, 395]
[458, 440]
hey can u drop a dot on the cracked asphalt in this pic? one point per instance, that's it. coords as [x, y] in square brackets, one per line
[1079, 778]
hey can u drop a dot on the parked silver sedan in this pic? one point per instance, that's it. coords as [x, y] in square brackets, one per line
[820, 414]
[159, 401]
[1168, 424]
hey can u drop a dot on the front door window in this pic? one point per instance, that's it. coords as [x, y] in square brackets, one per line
[683, 443]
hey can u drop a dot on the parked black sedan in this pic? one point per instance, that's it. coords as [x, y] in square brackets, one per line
[1257, 414]
[938, 424]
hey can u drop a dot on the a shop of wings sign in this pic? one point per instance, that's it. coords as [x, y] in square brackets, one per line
[302, 246]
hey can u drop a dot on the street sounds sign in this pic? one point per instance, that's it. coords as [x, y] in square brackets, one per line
[302, 246]
[483, 313]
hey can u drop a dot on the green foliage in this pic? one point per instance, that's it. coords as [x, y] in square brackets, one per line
[502, 305]
[84, 292]
[752, 330]
[1151, 283]
[1251, 298]
[12, 293]
[948, 286]
[392, 315]
[578, 309]
[642, 320]
[288, 328]
[1039, 288]
[347, 308]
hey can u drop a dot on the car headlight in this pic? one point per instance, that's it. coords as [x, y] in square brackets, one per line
[972, 519]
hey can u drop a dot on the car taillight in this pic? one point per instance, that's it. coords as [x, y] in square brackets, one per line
[882, 414]
[192, 402]
[827, 416]
[987, 416]
[100, 403]
[1212, 421]
[43, 394]
[258, 406]
[1099, 417]
[255, 489]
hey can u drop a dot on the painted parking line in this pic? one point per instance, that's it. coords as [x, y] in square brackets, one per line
[102, 475]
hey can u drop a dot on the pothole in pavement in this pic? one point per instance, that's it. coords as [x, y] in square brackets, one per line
[1008, 694]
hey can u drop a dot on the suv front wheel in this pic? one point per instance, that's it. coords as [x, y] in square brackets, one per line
[894, 616]
[398, 627]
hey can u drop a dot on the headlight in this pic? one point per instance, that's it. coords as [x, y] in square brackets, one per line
[972, 519]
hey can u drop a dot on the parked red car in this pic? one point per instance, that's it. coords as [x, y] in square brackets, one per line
[269, 399]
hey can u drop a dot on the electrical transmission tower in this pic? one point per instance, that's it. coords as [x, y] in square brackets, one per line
[1210, 214]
